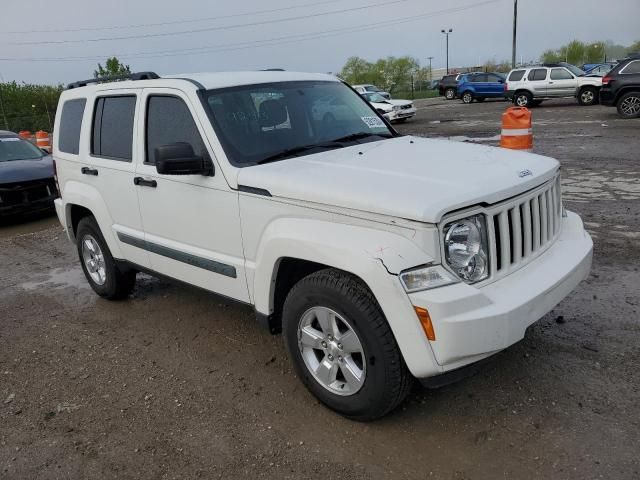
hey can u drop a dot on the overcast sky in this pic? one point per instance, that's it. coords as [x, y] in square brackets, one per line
[386, 27]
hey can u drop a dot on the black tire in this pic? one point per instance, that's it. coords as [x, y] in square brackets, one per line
[467, 97]
[522, 99]
[628, 105]
[387, 381]
[588, 96]
[119, 282]
[450, 93]
[402, 120]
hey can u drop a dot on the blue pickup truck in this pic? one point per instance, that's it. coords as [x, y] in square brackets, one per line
[479, 86]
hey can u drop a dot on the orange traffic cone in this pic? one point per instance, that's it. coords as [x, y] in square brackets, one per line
[516, 129]
[24, 134]
[42, 140]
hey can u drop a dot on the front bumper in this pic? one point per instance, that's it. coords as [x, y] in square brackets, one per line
[472, 323]
[398, 114]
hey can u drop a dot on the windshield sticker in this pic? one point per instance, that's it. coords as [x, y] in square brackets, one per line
[373, 122]
[10, 139]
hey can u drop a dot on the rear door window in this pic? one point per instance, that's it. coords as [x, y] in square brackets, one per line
[70, 123]
[113, 127]
[516, 75]
[537, 74]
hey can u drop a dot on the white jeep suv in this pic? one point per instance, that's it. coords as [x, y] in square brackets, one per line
[381, 258]
[529, 86]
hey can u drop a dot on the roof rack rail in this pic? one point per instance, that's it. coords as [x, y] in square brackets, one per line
[128, 76]
[274, 70]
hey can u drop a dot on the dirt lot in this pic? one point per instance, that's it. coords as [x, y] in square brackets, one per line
[177, 383]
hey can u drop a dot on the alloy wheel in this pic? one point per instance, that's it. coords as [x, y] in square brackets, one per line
[631, 106]
[94, 260]
[332, 351]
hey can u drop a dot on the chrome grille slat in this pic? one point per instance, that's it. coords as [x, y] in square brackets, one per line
[526, 222]
[535, 213]
[505, 241]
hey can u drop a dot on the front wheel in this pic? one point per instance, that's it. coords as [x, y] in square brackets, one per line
[588, 96]
[467, 97]
[342, 347]
[522, 99]
[450, 93]
[629, 105]
[103, 274]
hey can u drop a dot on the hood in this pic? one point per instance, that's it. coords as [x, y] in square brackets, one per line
[13, 171]
[406, 177]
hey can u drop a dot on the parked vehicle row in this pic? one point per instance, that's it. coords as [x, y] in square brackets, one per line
[612, 84]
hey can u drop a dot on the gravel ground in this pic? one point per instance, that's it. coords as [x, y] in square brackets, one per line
[178, 383]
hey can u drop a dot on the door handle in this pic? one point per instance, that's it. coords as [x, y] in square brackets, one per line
[550, 83]
[89, 171]
[145, 183]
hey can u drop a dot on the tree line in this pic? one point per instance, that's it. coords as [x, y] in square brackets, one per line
[25, 106]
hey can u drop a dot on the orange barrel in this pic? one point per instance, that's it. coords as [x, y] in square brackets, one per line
[42, 140]
[26, 134]
[516, 129]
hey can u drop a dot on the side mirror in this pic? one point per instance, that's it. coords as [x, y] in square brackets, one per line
[180, 159]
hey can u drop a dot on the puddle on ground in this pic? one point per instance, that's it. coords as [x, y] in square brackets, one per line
[59, 278]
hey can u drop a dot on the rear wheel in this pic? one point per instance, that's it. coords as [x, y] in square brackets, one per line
[588, 96]
[103, 274]
[467, 97]
[629, 105]
[522, 99]
[342, 347]
[450, 93]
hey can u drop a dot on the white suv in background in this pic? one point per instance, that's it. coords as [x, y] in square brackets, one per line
[529, 86]
[381, 258]
[368, 88]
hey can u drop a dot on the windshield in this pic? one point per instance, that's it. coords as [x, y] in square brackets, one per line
[374, 97]
[372, 88]
[14, 148]
[258, 123]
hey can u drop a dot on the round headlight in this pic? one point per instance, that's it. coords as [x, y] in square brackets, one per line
[464, 249]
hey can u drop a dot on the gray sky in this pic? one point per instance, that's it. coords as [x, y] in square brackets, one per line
[480, 33]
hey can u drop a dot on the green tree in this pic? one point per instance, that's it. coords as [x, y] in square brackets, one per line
[111, 67]
[634, 48]
[28, 107]
[356, 70]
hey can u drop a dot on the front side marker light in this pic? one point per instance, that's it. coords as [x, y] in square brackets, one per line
[426, 278]
[425, 321]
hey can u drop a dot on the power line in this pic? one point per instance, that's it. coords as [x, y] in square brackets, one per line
[175, 22]
[208, 29]
[258, 43]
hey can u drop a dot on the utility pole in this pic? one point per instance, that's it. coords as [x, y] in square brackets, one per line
[4, 114]
[447, 33]
[430, 71]
[515, 33]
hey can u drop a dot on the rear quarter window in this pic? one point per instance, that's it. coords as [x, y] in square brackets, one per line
[631, 68]
[70, 123]
[516, 75]
[537, 74]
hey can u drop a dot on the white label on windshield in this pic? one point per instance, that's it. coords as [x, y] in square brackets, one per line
[373, 122]
[10, 139]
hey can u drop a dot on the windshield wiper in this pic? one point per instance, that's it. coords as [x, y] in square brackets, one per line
[358, 136]
[291, 152]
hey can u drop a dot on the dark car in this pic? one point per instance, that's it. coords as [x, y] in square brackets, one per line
[449, 86]
[479, 86]
[26, 176]
[621, 88]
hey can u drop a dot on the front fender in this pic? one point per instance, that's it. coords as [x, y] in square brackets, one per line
[375, 256]
[87, 196]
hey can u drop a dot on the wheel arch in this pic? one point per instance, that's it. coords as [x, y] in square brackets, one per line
[293, 248]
